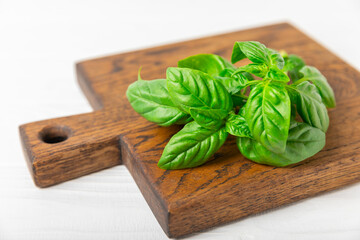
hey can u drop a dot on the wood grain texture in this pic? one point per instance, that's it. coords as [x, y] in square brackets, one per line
[228, 187]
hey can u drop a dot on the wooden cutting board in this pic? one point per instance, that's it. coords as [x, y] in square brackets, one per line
[228, 187]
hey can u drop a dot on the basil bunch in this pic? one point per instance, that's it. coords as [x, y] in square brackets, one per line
[214, 98]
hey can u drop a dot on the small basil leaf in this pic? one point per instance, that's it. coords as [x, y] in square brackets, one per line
[267, 113]
[209, 118]
[227, 72]
[293, 64]
[233, 84]
[242, 112]
[254, 51]
[309, 105]
[276, 58]
[151, 100]
[190, 88]
[303, 142]
[230, 73]
[208, 63]
[257, 69]
[248, 76]
[319, 80]
[192, 146]
[236, 125]
[276, 74]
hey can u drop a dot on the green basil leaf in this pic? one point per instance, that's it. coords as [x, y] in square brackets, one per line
[268, 115]
[275, 58]
[276, 74]
[303, 142]
[233, 84]
[248, 76]
[227, 72]
[242, 112]
[190, 88]
[151, 100]
[293, 64]
[257, 69]
[319, 80]
[236, 125]
[310, 106]
[208, 63]
[191, 146]
[209, 118]
[254, 51]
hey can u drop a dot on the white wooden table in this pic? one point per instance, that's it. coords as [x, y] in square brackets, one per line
[39, 43]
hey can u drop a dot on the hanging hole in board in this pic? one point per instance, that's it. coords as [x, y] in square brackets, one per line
[54, 134]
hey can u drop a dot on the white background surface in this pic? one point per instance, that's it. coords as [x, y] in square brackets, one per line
[39, 43]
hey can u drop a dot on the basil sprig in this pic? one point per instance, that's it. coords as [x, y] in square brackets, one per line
[258, 103]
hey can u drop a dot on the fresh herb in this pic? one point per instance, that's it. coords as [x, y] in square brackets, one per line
[260, 103]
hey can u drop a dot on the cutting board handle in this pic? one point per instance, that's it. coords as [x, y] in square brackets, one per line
[64, 148]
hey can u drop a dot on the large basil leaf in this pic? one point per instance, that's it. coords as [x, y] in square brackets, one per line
[151, 100]
[191, 146]
[208, 63]
[275, 58]
[303, 142]
[200, 95]
[293, 64]
[236, 125]
[319, 80]
[194, 89]
[257, 69]
[267, 113]
[254, 51]
[309, 105]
